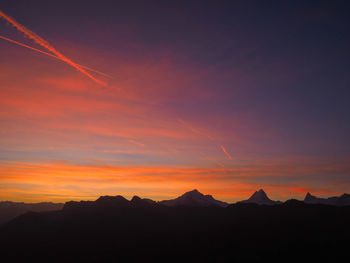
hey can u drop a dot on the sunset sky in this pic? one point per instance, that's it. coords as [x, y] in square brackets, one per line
[226, 97]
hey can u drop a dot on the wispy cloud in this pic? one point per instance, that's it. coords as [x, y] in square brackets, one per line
[37, 39]
[48, 54]
[204, 134]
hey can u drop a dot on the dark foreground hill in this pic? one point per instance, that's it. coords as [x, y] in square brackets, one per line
[10, 210]
[112, 229]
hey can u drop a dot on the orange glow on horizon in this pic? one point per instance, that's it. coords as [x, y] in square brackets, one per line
[64, 182]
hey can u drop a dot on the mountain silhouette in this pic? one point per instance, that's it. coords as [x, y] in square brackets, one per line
[260, 198]
[194, 198]
[142, 202]
[105, 203]
[342, 200]
[10, 210]
[113, 229]
[190, 229]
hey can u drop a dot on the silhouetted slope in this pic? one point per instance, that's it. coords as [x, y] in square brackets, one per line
[342, 200]
[10, 210]
[260, 198]
[142, 202]
[194, 198]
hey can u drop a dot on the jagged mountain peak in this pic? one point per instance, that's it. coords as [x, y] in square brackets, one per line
[194, 198]
[142, 202]
[193, 192]
[308, 196]
[261, 191]
[135, 198]
[261, 198]
[259, 195]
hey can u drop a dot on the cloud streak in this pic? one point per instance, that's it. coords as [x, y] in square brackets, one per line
[37, 39]
[224, 150]
[203, 134]
[48, 54]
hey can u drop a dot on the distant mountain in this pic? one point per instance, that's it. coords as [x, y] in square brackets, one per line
[109, 203]
[260, 198]
[10, 210]
[342, 200]
[142, 202]
[194, 198]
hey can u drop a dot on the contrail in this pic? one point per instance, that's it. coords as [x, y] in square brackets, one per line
[203, 134]
[43, 52]
[137, 143]
[194, 130]
[37, 39]
[99, 162]
[224, 150]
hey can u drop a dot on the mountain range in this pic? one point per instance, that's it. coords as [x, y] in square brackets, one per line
[10, 210]
[191, 228]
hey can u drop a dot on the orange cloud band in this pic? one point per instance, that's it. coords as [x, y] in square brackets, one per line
[68, 181]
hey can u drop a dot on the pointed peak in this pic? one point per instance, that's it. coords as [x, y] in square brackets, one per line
[192, 192]
[209, 196]
[259, 197]
[261, 193]
[135, 198]
[194, 198]
[309, 197]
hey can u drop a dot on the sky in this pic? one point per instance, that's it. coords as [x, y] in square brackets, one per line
[226, 97]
